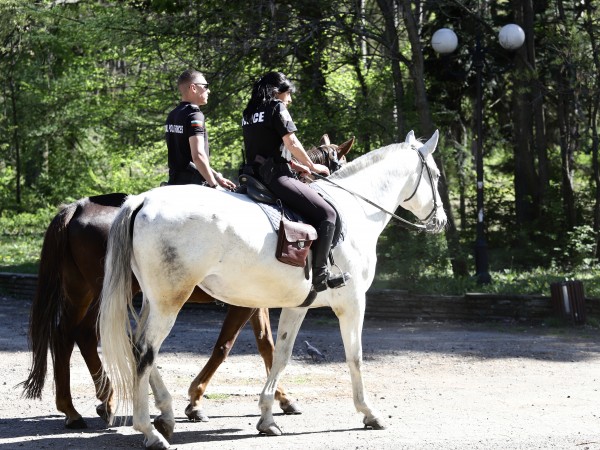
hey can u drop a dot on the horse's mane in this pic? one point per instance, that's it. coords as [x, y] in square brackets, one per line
[365, 160]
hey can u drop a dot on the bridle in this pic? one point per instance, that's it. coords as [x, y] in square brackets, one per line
[405, 223]
[424, 165]
[322, 156]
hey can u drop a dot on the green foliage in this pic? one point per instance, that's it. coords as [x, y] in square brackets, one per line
[405, 257]
[21, 239]
[20, 254]
[579, 249]
[85, 88]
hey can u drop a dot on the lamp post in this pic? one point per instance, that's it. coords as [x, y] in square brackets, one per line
[445, 41]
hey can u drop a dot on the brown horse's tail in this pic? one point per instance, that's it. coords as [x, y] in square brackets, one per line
[48, 302]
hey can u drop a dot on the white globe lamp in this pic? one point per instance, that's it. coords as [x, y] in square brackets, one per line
[444, 41]
[511, 36]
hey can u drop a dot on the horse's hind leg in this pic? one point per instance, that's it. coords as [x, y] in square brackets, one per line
[165, 422]
[234, 321]
[62, 381]
[289, 324]
[87, 341]
[351, 323]
[153, 329]
[261, 325]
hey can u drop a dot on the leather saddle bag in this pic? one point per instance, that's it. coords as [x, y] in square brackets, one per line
[294, 241]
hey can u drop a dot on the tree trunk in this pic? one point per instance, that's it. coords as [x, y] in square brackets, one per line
[393, 50]
[417, 71]
[568, 127]
[16, 144]
[594, 125]
[539, 122]
[526, 182]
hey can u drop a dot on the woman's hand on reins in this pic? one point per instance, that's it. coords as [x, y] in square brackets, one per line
[321, 169]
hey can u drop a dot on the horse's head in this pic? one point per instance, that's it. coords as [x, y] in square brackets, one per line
[330, 155]
[425, 201]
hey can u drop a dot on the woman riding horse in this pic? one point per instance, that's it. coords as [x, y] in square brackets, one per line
[270, 141]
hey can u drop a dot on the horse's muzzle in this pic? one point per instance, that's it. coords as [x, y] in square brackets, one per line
[437, 223]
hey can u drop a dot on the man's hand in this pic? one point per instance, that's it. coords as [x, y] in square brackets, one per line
[224, 182]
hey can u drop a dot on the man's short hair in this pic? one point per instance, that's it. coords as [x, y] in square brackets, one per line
[187, 77]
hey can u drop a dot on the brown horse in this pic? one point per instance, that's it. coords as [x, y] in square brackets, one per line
[65, 307]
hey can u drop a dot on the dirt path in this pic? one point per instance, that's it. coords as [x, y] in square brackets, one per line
[439, 386]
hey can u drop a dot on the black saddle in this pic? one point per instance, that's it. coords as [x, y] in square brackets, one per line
[255, 190]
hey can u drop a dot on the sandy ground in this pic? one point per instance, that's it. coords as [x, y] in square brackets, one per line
[438, 385]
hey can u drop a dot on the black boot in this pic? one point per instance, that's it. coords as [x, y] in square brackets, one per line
[321, 277]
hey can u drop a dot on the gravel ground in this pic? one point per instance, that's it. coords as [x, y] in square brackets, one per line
[439, 386]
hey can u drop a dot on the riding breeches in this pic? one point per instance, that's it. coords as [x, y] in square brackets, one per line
[300, 197]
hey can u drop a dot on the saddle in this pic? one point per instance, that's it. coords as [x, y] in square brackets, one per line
[294, 235]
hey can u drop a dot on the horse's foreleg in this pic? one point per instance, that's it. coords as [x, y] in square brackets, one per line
[287, 330]
[234, 321]
[351, 323]
[261, 325]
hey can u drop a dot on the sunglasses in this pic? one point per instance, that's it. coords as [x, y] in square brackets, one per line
[204, 85]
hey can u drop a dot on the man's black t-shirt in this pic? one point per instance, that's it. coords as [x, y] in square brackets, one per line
[184, 121]
[264, 130]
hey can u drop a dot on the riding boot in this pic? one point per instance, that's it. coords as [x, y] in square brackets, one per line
[321, 277]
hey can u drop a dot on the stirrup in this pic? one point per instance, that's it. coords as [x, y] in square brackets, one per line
[332, 281]
[338, 281]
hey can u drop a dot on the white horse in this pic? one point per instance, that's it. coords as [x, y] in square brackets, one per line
[176, 238]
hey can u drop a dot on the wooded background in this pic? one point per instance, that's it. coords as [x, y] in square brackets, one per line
[85, 87]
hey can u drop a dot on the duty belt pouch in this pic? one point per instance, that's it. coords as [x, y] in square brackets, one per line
[266, 171]
[294, 241]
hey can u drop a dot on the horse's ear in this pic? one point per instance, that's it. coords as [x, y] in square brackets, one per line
[429, 146]
[410, 137]
[324, 140]
[344, 148]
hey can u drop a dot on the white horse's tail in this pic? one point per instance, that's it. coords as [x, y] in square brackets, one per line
[116, 300]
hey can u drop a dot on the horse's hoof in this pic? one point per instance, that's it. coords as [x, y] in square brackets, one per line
[195, 415]
[269, 429]
[291, 408]
[374, 424]
[103, 413]
[158, 445]
[77, 424]
[164, 427]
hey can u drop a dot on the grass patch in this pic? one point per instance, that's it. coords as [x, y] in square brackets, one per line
[300, 380]
[217, 396]
[20, 253]
[535, 281]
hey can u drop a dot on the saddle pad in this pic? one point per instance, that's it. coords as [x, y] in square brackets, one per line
[274, 215]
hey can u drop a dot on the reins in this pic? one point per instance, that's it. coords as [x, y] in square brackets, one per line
[405, 223]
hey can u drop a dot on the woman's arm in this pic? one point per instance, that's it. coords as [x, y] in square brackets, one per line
[293, 144]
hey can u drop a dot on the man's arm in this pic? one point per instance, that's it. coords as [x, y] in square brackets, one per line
[200, 158]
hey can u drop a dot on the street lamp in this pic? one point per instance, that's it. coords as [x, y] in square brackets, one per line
[445, 41]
